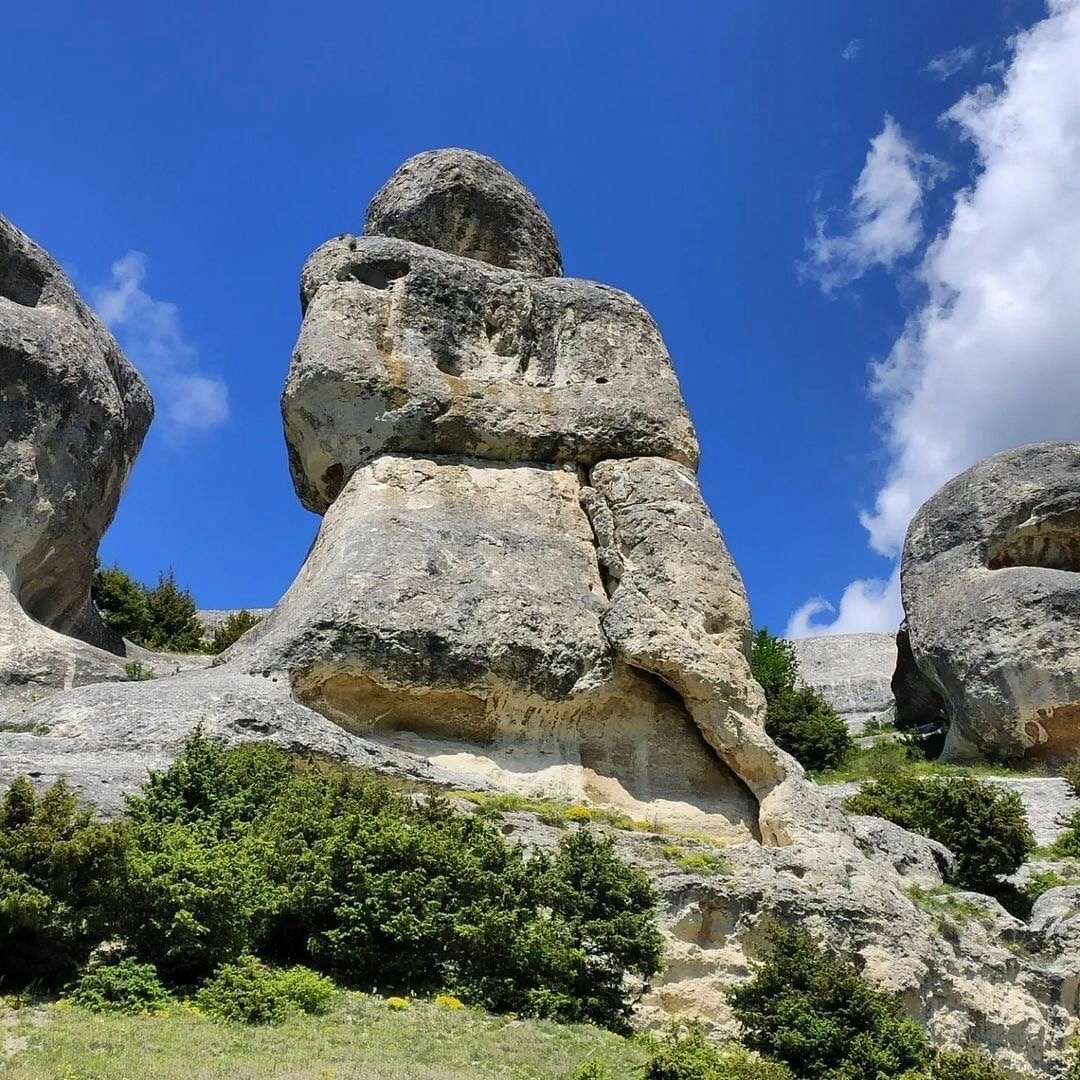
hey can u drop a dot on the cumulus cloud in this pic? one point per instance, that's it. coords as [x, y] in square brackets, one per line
[991, 358]
[884, 221]
[869, 604]
[851, 50]
[150, 331]
[948, 63]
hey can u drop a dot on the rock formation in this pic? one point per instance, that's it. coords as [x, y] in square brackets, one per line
[851, 672]
[516, 584]
[516, 574]
[990, 580]
[73, 413]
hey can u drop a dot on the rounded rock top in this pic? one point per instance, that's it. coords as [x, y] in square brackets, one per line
[466, 204]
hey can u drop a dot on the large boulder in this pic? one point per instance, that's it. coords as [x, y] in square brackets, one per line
[467, 204]
[73, 413]
[516, 574]
[405, 349]
[990, 580]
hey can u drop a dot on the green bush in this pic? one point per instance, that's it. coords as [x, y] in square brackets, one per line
[773, 663]
[250, 992]
[1067, 844]
[799, 719]
[804, 724]
[59, 870]
[235, 626]
[684, 1052]
[239, 852]
[982, 824]
[125, 986]
[162, 617]
[173, 625]
[967, 1064]
[817, 1015]
[407, 896]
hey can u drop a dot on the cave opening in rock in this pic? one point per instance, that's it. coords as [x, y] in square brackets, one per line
[1049, 542]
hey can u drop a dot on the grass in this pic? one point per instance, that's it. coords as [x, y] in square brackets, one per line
[950, 912]
[363, 1039]
[553, 811]
[864, 762]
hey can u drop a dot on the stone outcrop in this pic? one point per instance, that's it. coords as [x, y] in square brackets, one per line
[73, 414]
[516, 574]
[465, 203]
[852, 673]
[990, 579]
[970, 972]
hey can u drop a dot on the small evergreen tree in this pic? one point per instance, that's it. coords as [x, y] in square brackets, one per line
[773, 663]
[173, 625]
[236, 625]
[798, 718]
[982, 824]
[820, 1017]
[59, 873]
[122, 602]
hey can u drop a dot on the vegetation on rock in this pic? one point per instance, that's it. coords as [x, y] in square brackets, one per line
[816, 1014]
[982, 824]
[59, 874]
[798, 718]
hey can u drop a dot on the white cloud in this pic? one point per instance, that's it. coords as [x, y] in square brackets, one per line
[992, 357]
[152, 336]
[885, 216]
[948, 63]
[868, 605]
[851, 50]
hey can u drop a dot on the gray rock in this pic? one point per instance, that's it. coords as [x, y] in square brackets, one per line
[455, 608]
[105, 738]
[73, 413]
[990, 579]
[924, 861]
[405, 349]
[467, 204]
[851, 672]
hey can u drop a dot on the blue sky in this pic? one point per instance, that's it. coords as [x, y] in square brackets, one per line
[710, 158]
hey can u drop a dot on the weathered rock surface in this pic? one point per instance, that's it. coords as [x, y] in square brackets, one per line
[467, 204]
[852, 672]
[990, 980]
[73, 413]
[516, 573]
[105, 738]
[990, 579]
[405, 349]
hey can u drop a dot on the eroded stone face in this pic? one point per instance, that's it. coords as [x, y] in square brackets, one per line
[407, 349]
[991, 592]
[454, 608]
[516, 575]
[73, 413]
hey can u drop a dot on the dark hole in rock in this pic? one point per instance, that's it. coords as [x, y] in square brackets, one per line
[601, 380]
[333, 480]
[20, 280]
[1052, 543]
[380, 274]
